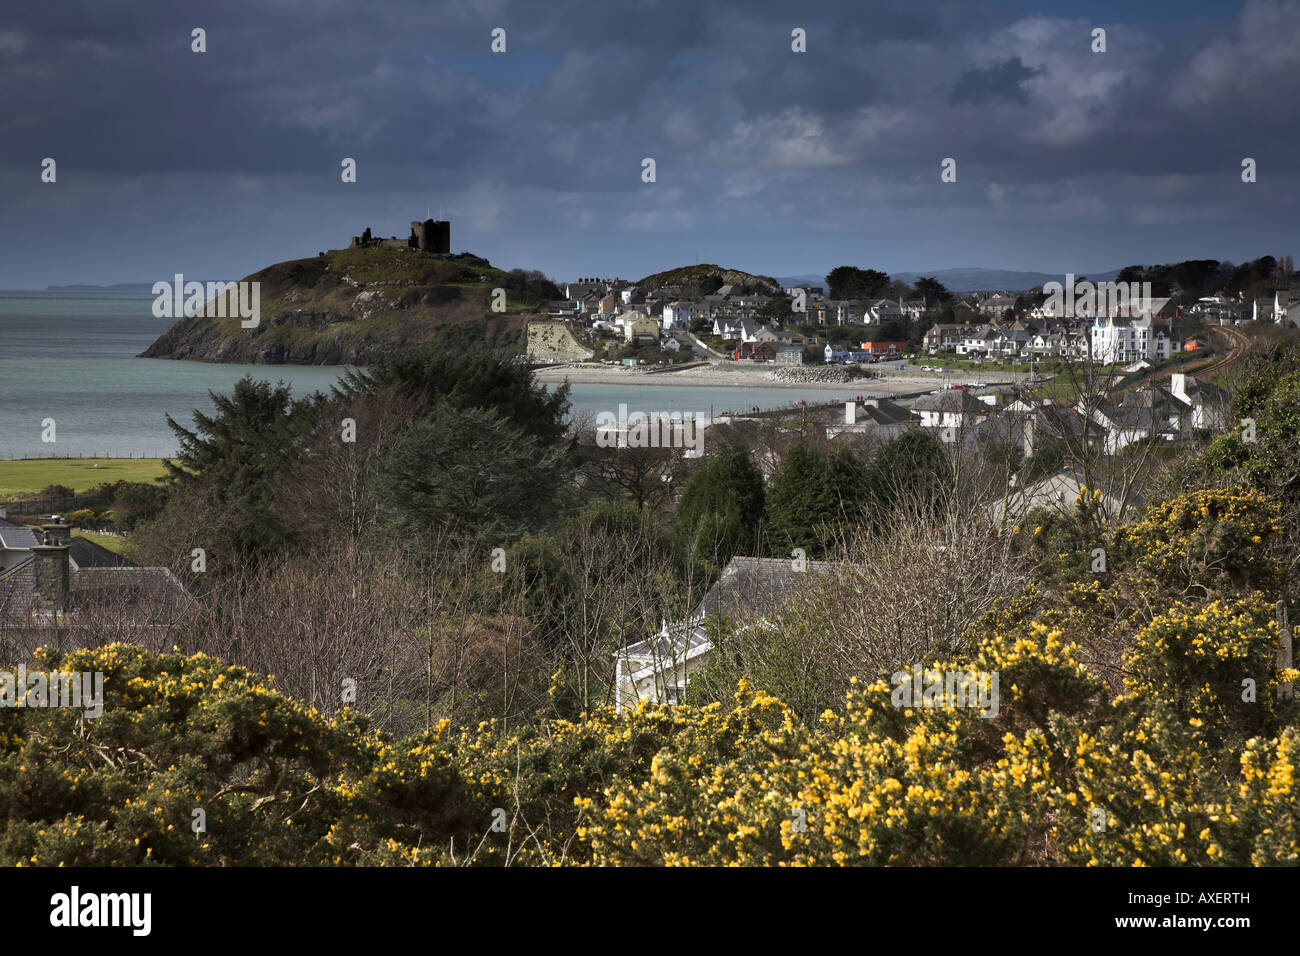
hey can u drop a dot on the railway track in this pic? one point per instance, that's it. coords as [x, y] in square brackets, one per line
[1236, 342]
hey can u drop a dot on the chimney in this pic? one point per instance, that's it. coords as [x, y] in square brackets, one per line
[51, 567]
[850, 413]
[57, 532]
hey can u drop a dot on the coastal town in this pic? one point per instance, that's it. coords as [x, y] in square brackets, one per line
[802, 325]
[583, 436]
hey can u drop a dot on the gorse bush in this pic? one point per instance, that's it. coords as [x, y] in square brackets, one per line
[1189, 758]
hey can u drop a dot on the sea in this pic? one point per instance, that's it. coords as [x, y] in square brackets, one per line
[70, 358]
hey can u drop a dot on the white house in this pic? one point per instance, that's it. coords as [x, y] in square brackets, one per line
[952, 408]
[680, 315]
[977, 340]
[1210, 404]
[1121, 341]
[1150, 411]
[881, 310]
[659, 668]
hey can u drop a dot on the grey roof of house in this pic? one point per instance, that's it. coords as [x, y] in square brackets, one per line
[88, 554]
[756, 585]
[1203, 392]
[885, 412]
[1065, 421]
[17, 537]
[950, 400]
[22, 574]
[674, 642]
[1154, 397]
[1134, 414]
[156, 589]
[155, 595]
[18, 589]
[995, 428]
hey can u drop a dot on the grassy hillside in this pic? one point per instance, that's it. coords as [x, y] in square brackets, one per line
[693, 275]
[358, 306]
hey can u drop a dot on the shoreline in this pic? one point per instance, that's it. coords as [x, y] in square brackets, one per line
[754, 376]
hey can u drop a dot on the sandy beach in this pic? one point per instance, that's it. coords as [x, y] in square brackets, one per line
[890, 382]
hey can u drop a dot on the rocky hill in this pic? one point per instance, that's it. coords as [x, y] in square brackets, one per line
[359, 306]
[693, 276]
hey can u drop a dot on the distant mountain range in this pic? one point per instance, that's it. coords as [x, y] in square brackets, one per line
[970, 280]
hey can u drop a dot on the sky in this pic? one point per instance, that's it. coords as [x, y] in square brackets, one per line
[216, 164]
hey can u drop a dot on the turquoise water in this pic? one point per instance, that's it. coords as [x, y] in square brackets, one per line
[71, 357]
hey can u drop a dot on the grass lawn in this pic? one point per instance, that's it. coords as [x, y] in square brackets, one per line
[80, 474]
[113, 542]
[1060, 388]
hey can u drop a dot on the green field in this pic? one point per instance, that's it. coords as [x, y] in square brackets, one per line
[113, 542]
[80, 474]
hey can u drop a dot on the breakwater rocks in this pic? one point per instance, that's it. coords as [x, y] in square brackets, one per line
[819, 374]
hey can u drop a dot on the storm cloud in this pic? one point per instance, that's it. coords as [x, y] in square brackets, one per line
[221, 162]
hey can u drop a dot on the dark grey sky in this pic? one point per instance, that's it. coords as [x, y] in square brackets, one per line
[217, 164]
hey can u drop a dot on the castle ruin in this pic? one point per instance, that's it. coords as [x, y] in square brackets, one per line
[432, 235]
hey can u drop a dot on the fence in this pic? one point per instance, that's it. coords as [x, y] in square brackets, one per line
[91, 455]
[39, 506]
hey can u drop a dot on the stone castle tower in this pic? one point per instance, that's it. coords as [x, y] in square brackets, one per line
[432, 235]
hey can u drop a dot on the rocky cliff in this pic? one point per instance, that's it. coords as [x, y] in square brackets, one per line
[357, 307]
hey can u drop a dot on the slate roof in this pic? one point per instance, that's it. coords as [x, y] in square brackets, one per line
[88, 554]
[155, 595]
[21, 577]
[1154, 397]
[16, 537]
[674, 642]
[755, 585]
[1203, 393]
[951, 400]
[156, 591]
[1065, 421]
[881, 411]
